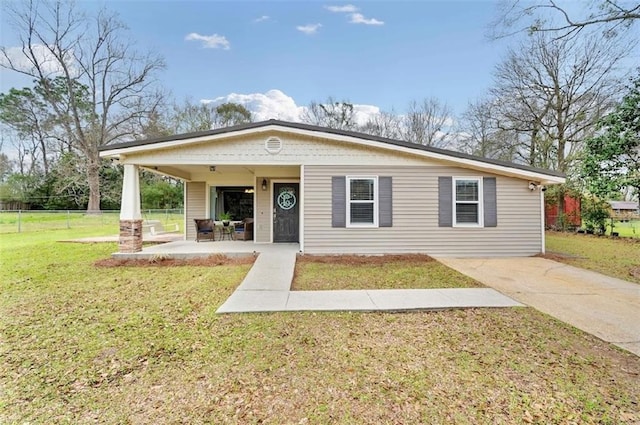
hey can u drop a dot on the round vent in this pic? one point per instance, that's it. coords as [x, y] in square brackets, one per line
[273, 145]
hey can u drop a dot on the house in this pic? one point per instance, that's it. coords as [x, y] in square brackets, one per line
[624, 210]
[334, 191]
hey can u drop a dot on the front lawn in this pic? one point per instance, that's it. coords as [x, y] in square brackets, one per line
[617, 257]
[84, 344]
[375, 272]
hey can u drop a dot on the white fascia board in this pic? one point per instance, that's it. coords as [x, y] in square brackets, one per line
[175, 143]
[176, 174]
[468, 163]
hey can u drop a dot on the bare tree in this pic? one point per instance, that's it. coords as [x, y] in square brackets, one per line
[555, 91]
[384, 124]
[427, 123]
[612, 16]
[480, 133]
[552, 93]
[332, 114]
[107, 85]
[191, 116]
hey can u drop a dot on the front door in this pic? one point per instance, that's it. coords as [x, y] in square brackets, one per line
[285, 212]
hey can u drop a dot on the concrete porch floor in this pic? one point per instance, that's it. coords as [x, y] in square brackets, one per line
[191, 249]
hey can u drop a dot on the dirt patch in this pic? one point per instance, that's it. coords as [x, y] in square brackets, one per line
[356, 260]
[210, 261]
[558, 256]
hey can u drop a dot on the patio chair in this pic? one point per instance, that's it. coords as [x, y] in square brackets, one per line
[244, 230]
[205, 229]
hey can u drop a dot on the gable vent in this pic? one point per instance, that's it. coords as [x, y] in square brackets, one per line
[273, 145]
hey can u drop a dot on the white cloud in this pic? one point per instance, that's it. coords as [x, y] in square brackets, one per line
[274, 104]
[309, 29]
[48, 62]
[358, 18]
[347, 8]
[214, 41]
[262, 18]
[362, 113]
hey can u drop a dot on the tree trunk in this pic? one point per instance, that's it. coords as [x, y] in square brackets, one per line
[45, 161]
[561, 223]
[93, 177]
[532, 147]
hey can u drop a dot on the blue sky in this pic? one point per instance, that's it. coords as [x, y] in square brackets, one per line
[395, 52]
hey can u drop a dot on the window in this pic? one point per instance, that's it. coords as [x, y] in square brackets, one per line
[362, 201]
[467, 200]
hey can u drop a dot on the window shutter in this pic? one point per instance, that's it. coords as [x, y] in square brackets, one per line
[385, 202]
[490, 203]
[338, 202]
[445, 202]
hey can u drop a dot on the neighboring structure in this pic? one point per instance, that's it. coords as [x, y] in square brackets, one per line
[11, 205]
[336, 191]
[572, 207]
[624, 210]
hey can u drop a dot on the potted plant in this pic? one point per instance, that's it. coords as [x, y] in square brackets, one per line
[225, 217]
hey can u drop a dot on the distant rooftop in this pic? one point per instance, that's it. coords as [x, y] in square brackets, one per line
[624, 205]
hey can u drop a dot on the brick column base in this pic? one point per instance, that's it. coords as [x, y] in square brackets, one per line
[130, 236]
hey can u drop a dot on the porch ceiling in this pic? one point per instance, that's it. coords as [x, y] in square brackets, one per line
[204, 172]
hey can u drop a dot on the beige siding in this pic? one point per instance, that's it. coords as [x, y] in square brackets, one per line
[262, 229]
[299, 150]
[415, 216]
[196, 194]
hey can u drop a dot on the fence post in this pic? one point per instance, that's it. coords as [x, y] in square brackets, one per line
[68, 220]
[19, 224]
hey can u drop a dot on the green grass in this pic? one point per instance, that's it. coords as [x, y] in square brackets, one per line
[617, 257]
[628, 229]
[82, 344]
[387, 272]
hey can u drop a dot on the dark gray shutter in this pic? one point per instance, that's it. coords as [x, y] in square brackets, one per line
[338, 202]
[490, 203]
[445, 201]
[385, 202]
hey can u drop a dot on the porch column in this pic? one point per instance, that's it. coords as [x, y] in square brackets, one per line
[130, 216]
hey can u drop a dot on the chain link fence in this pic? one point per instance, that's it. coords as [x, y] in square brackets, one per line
[19, 221]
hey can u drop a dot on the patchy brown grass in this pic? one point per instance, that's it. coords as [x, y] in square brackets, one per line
[143, 345]
[162, 261]
[412, 271]
[616, 257]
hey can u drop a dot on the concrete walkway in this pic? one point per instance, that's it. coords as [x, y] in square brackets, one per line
[603, 306]
[266, 288]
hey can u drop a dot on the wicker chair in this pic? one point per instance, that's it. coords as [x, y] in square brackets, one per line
[244, 230]
[205, 229]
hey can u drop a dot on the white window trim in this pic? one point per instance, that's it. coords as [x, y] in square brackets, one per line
[480, 202]
[349, 201]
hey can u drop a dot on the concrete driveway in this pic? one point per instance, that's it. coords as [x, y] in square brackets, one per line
[606, 307]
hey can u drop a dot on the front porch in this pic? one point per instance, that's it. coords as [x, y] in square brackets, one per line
[191, 249]
[269, 196]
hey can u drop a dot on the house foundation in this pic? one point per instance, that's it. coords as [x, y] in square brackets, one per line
[130, 236]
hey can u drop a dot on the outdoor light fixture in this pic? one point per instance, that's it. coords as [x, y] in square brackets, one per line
[212, 168]
[264, 184]
[533, 186]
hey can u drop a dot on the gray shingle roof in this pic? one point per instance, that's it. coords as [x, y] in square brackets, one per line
[315, 128]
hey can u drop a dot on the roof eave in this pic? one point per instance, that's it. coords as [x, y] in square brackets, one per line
[546, 177]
